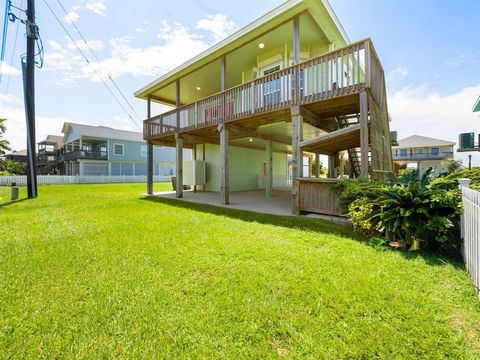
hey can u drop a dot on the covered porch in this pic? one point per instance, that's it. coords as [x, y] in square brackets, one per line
[280, 203]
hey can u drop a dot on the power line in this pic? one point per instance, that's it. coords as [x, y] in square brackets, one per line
[11, 58]
[89, 63]
[96, 58]
[4, 36]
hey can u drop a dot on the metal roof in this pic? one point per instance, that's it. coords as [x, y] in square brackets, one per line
[421, 141]
[103, 132]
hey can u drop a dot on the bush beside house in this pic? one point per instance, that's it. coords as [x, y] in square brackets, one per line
[417, 213]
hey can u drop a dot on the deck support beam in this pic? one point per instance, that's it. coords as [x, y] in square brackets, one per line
[224, 185]
[297, 154]
[179, 166]
[317, 165]
[269, 168]
[149, 168]
[364, 134]
[149, 153]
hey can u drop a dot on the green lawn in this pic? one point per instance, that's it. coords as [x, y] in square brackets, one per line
[97, 271]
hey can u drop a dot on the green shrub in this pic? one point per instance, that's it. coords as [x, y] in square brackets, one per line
[350, 190]
[420, 216]
[364, 215]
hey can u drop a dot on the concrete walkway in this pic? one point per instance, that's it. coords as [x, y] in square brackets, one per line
[279, 204]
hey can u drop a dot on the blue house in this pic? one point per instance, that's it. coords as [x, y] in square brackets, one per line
[101, 150]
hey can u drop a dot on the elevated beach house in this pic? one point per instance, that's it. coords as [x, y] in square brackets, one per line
[423, 152]
[259, 107]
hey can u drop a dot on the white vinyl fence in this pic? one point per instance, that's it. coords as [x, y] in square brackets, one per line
[21, 180]
[471, 230]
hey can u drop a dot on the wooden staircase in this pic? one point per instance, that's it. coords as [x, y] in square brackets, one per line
[353, 153]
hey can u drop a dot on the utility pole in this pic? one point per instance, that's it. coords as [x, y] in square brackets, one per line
[28, 69]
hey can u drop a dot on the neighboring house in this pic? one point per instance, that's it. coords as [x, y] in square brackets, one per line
[288, 86]
[17, 156]
[47, 155]
[101, 150]
[423, 151]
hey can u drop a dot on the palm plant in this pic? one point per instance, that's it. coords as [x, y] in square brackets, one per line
[4, 144]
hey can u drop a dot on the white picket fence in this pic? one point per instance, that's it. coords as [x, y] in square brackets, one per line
[21, 180]
[471, 230]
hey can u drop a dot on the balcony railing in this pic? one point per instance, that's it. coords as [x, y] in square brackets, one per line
[85, 154]
[341, 72]
[424, 156]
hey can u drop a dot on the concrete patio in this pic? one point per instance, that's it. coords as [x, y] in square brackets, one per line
[279, 204]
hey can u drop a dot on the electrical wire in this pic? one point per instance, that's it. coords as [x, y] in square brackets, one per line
[4, 37]
[90, 64]
[13, 54]
[97, 59]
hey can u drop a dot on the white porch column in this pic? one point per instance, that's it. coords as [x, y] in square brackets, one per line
[179, 166]
[364, 134]
[269, 174]
[225, 181]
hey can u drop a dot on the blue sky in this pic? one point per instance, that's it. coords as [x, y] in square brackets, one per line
[428, 50]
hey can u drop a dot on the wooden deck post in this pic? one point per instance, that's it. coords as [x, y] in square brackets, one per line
[317, 165]
[331, 167]
[224, 186]
[364, 134]
[149, 168]
[149, 153]
[297, 155]
[269, 166]
[179, 166]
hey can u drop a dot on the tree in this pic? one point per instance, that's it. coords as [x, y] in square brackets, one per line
[452, 165]
[4, 144]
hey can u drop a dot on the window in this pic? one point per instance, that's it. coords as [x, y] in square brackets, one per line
[118, 149]
[143, 151]
[403, 152]
[435, 151]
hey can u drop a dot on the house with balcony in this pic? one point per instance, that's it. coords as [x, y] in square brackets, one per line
[275, 95]
[47, 155]
[423, 152]
[101, 150]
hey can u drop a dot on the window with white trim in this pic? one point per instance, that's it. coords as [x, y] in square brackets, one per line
[118, 149]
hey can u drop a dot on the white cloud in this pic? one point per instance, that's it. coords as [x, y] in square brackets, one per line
[218, 25]
[418, 110]
[16, 127]
[72, 15]
[95, 45]
[97, 7]
[463, 59]
[177, 44]
[397, 74]
[9, 70]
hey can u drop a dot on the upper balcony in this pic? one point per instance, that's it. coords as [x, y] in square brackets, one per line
[84, 154]
[326, 79]
[439, 155]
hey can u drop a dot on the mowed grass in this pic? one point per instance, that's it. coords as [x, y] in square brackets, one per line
[97, 271]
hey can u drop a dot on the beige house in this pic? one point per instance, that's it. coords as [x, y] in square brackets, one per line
[423, 151]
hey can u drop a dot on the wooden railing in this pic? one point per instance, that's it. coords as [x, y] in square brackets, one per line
[313, 195]
[340, 72]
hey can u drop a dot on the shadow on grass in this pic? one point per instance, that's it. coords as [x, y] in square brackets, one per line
[11, 202]
[300, 223]
[309, 224]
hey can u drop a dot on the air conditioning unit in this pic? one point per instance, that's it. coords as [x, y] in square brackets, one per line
[194, 172]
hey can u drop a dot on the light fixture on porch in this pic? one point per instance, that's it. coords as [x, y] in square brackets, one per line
[261, 45]
[250, 139]
[198, 88]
